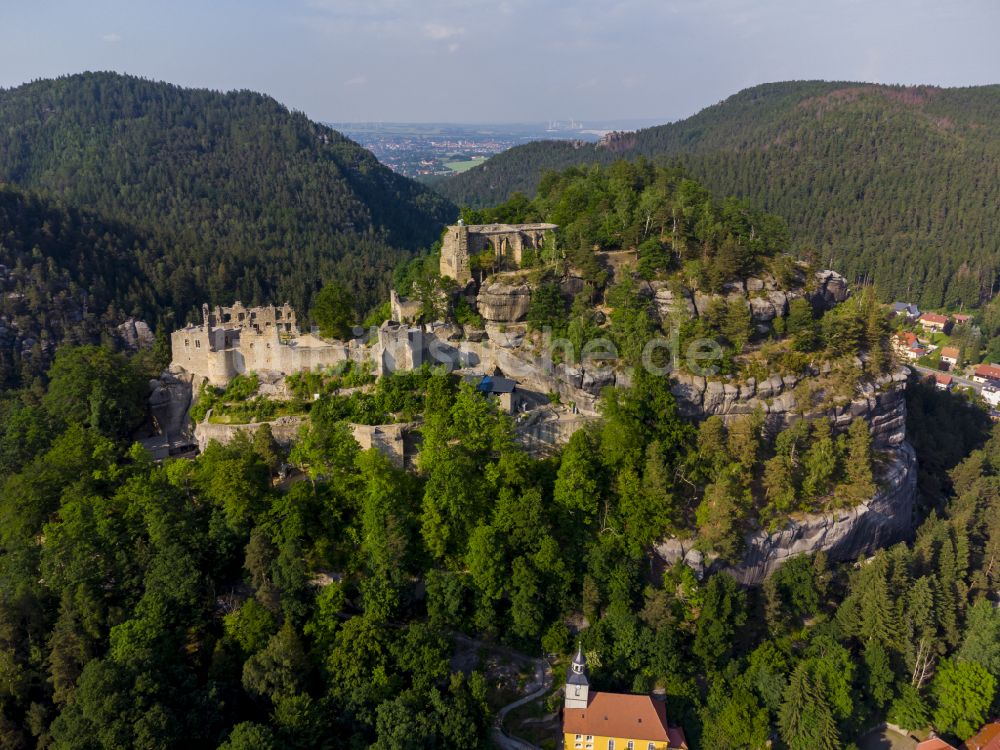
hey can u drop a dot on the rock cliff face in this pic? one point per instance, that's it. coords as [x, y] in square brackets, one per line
[882, 403]
[844, 535]
[763, 296]
[169, 400]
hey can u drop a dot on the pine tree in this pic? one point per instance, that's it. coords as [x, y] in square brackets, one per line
[820, 461]
[805, 720]
[860, 477]
[878, 673]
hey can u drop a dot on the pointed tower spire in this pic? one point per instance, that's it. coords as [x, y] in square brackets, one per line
[577, 681]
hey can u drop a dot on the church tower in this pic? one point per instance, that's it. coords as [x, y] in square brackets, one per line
[577, 684]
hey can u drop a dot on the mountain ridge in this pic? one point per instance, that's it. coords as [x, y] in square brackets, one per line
[865, 174]
[243, 188]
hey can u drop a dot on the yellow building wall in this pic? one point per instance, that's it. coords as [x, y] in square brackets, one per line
[601, 743]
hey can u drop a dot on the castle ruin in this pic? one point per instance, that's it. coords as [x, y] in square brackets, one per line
[235, 340]
[507, 241]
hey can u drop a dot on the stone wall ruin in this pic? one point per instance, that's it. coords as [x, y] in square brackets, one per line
[508, 242]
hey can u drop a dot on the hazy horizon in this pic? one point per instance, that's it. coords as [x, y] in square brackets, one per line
[506, 62]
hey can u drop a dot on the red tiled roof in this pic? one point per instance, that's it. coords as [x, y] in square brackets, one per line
[943, 379]
[988, 738]
[635, 717]
[933, 318]
[935, 743]
[949, 351]
[988, 371]
[907, 338]
[961, 318]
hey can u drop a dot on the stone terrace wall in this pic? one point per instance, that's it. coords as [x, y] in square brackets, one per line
[284, 429]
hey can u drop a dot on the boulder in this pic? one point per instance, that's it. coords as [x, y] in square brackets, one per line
[703, 301]
[136, 334]
[761, 310]
[475, 335]
[714, 397]
[831, 288]
[595, 380]
[779, 301]
[504, 303]
[505, 336]
[669, 304]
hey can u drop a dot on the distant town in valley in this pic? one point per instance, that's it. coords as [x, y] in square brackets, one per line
[445, 149]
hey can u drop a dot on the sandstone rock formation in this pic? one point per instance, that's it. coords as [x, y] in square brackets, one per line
[764, 296]
[136, 334]
[844, 534]
[881, 403]
[504, 303]
[169, 400]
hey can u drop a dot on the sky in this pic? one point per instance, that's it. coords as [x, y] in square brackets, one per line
[502, 60]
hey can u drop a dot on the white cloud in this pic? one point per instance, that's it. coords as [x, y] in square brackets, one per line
[440, 32]
[112, 38]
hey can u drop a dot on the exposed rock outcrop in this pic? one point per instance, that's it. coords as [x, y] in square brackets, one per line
[881, 404]
[504, 303]
[844, 534]
[136, 334]
[169, 400]
[764, 296]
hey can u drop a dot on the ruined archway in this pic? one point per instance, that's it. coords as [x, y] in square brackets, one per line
[506, 241]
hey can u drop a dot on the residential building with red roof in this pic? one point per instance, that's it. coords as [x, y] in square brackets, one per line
[935, 743]
[986, 373]
[942, 382]
[906, 345]
[950, 355]
[987, 738]
[933, 321]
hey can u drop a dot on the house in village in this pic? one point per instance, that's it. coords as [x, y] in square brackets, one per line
[961, 319]
[987, 738]
[934, 322]
[991, 395]
[943, 382]
[907, 309]
[905, 344]
[950, 355]
[614, 721]
[986, 373]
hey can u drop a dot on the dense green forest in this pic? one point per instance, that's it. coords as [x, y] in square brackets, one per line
[243, 198]
[225, 602]
[199, 603]
[886, 183]
[67, 276]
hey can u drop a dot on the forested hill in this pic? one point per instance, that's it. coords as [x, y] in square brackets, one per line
[68, 276]
[249, 200]
[900, 184]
